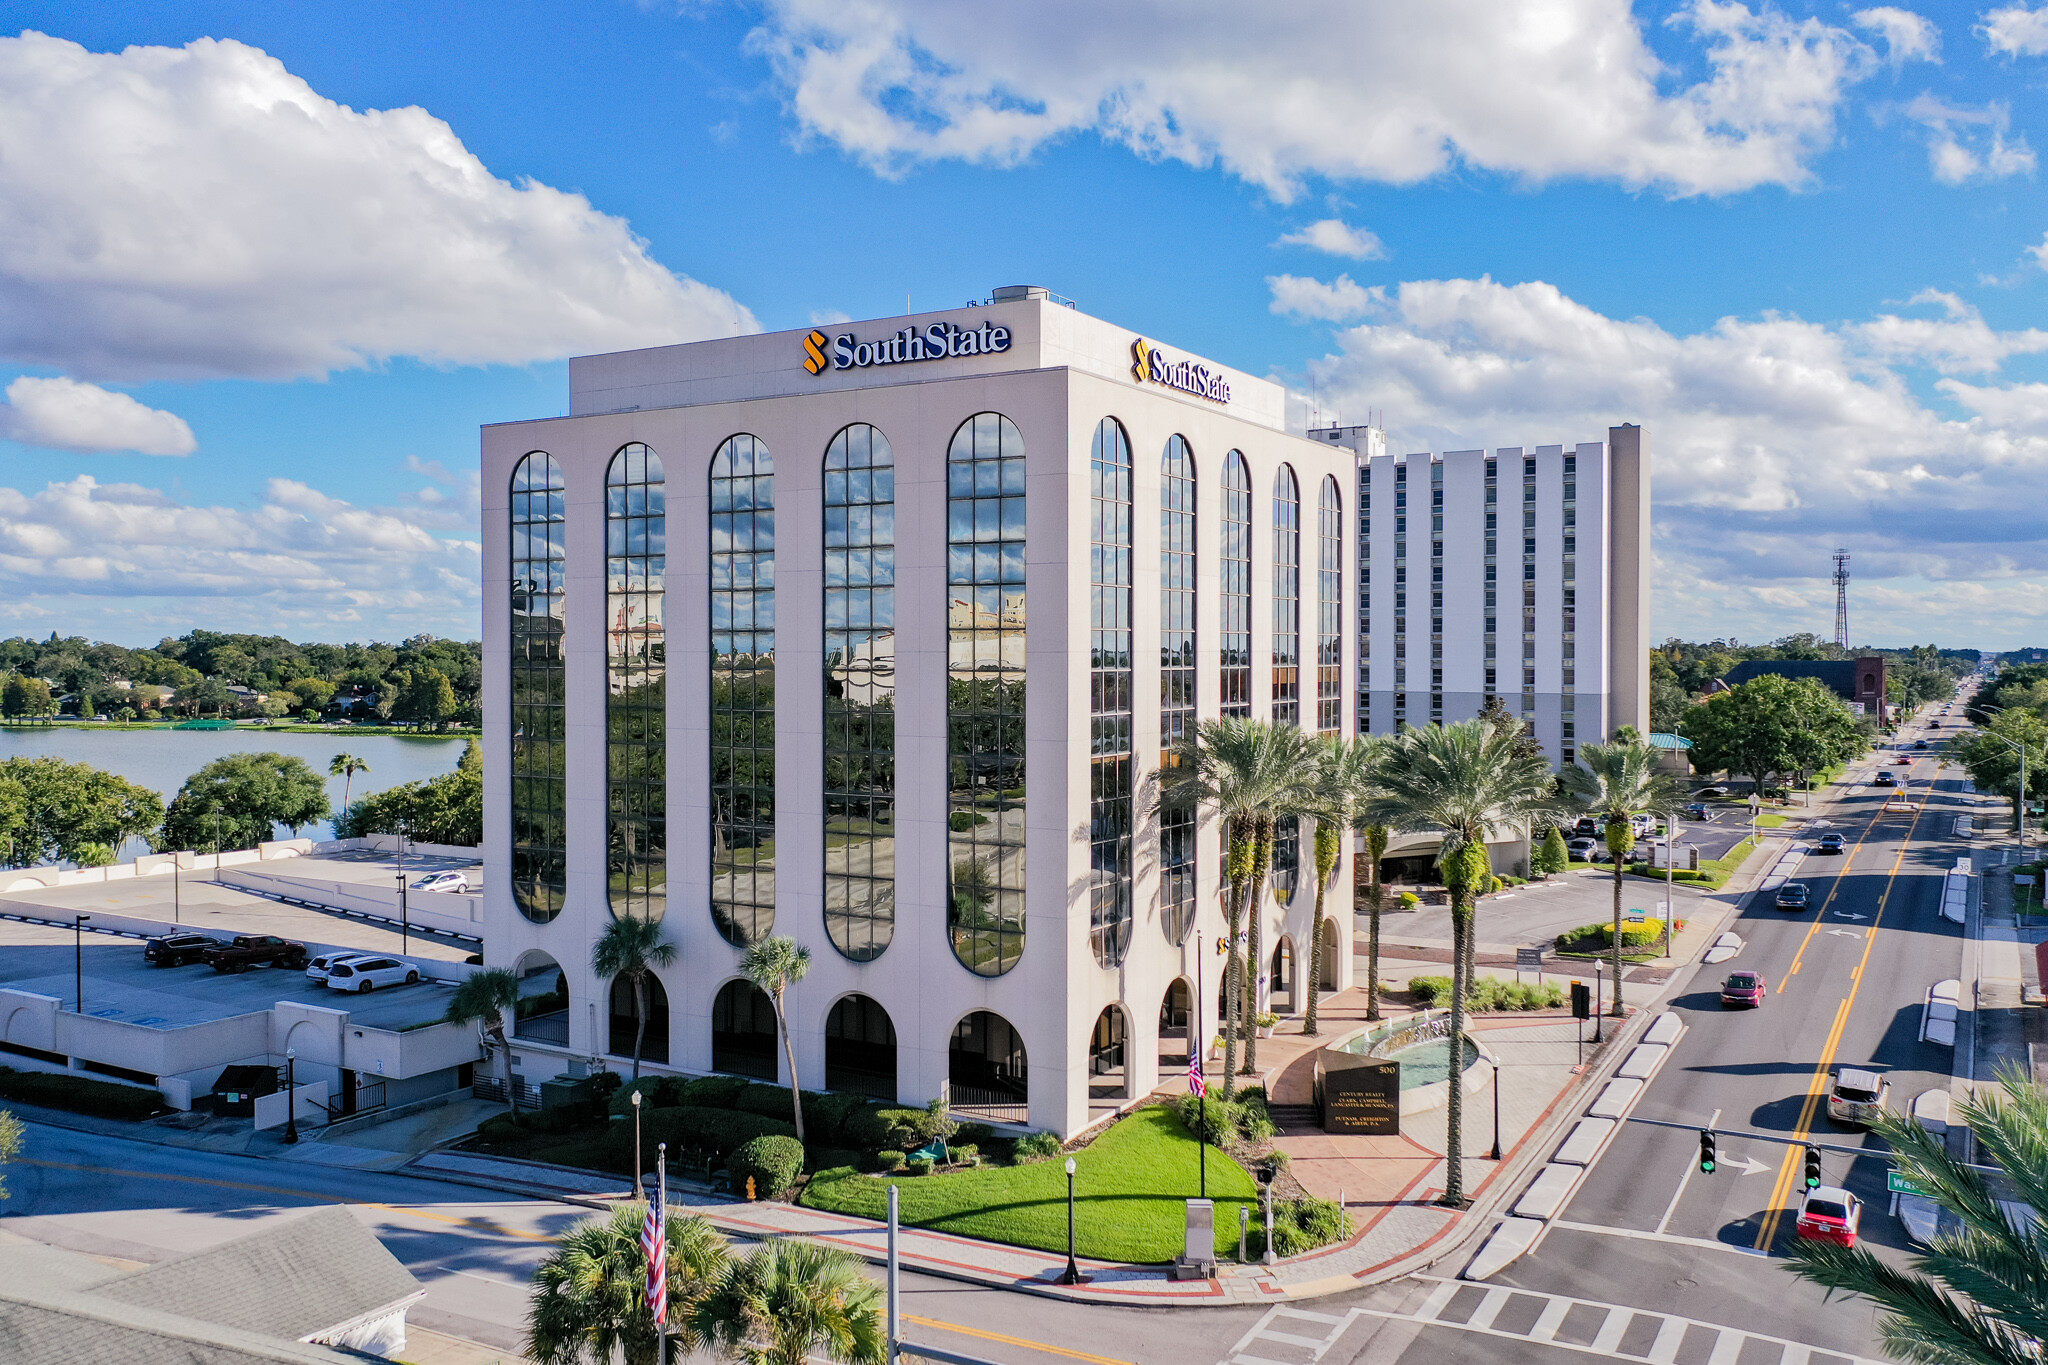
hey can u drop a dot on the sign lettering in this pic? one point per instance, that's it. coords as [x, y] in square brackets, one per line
[1150, 365]
[939, 341]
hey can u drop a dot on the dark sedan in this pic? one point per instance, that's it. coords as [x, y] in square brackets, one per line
[1830, 843]
[1793, 896]
[175, 950]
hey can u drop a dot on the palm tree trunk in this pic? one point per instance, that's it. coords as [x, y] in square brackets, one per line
[639, 1018]
[1454, 1109]
[1315, 964]
[504, 1049]
[1617, 935]
[796, 1094]
[1262, 857]
[1372, 942]
[1231, 977]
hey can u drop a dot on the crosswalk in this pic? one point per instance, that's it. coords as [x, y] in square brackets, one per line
[1298, 1336]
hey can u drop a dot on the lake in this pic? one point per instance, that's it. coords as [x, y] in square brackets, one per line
[163, 759]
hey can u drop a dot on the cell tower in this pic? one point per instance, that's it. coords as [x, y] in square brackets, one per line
[1841, 599]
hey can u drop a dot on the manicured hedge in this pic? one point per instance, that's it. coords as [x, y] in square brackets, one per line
[773, 1162]
[694, 1128]
[103, 1099]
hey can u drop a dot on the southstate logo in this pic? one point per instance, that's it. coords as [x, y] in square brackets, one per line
[1141, 360]
[814, 352]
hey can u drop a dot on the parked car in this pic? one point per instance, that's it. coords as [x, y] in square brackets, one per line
[1744, 988]
[1829, 1213]
[1643, 824]
[1582, 850]
[365, 973]
[319, 967]
[1793, 896]
[1885, 779]
[1587, 828]
[442, 881]
[1829, 843]
[175, 950]
[1857, 1095]
[253, 950]
[1697, 810]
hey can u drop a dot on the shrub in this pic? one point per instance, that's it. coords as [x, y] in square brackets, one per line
[1430, 990]
[913, 1128]
[603, 1086]
[1220, 1116]
[499, 1128]
[1039, 1146]
[1254, 1118]
[866, 1128]
[974, 1134]
[771, 1101]
[691, 1128]
[658, 1092]
[919, 1165]
[773, 1162]
[1409, 900]
[565, 1118]
[966, 1154]
[715, 1092]
[888, 1159]
[827, 1115]
[1300, 1225]
[1553, 856]
[103, 1099]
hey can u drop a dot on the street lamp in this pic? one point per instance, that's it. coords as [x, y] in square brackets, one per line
[405, 918]
[78, 962]
[1073, 1273]
[1266, 1174]
[1494, 1155]
[639, 1189]
[291, 1095]
[2021, 750]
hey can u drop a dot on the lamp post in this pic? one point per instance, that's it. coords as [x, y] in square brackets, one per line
[2021, 750]
[405, 920]
[1670, 862]
[291, 1095]
[1494, 1155]
[1266, 1174]
[1073, 1273]
[639, 1189]
[78, 963]
[1599, 980]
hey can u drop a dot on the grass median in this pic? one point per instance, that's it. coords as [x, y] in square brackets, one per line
[1130, 1185]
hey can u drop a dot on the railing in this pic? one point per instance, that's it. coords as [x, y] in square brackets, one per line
[493, 1089]
[993, 1106]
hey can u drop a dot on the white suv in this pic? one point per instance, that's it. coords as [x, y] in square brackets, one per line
[364, 973]
[1857, 1095]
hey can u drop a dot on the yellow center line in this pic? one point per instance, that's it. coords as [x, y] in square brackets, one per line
[475, 1224]
[1025, 1342]
[1817, 1087]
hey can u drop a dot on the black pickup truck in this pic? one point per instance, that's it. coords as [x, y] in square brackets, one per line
[247, 950]
[175, 950]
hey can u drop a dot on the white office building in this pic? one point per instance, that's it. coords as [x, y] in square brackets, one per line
[944, 587]
[1516, 573]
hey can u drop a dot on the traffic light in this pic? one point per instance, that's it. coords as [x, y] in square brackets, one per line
[1813, 1168]
[1706, 1151]
[1582, 1000]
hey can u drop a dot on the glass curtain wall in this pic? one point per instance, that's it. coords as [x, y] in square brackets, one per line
[1234, 693]
[636, 666]
[1110, 767]
[539, 582]
[1286, 598]
[743, 690]
[860, 693]
[1176, 681]
[1330, 611]
[985, 693]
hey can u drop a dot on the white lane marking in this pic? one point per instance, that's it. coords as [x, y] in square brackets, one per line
[1489, 1308]
[1434, 1304]
[1608, 1339]
[1683, 1181]
[1550, 1319]
[1664, 1350]
[1640, 1235]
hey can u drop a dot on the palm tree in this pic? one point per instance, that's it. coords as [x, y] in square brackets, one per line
[632, 947]
[1291, 795]
[1233, 769]
[1343, 778]
[1615, 782]
[775, 964]
[345, 767]
[1471, 782]
[1375, 855]
[1976, 1297]
[483, 999]
[788, 1302]
[589, 1293]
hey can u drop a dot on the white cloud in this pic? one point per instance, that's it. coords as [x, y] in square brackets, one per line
[301, 555]
[1950, 126]
[1908, 37]
[64, 414]
[201, 211]
[1299, 88]
[829, 317]
[1775, 439]
[2016, 31]
[1335, 237]
[1339, 301]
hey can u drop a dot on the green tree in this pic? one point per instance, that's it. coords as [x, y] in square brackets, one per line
[483, 999]
[1980, 1295]
[1471, 782]
[206, 696]
[633, 948]
[426, 698]
[345, 767]
[94, 855]
[472, 760]
[1241, 772]
[789, 1302]
[1991, 756]
[775, 964]
[589, 1304]
[65, 806]
[1614, 783]
[1343, 779]
[238, 799]
[1770, 725]
[10, 1144]
[1375, 837]
[22, 698]
[448, 809]
[1553, 857]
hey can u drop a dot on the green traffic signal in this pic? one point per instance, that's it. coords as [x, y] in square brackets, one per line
[1706, 1151]
[1813, 1168]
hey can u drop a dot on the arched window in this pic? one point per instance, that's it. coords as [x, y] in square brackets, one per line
[625, 1020]
[636, 668]
[860, 1048]
[986, 1069]
[1234, 691]
[539, 585]
[1109, 764]
[1286, 598]
[743, 1031]
[1177, 566]
[542, 1012]
[860, 693]
[1330, 611]
[743, 690]
[985, 693]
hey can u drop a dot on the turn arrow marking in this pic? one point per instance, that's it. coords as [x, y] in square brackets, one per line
[1844, 914]
[1751, 1166]
[1845, 933]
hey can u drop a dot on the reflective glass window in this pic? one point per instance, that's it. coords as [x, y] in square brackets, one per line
[636, 702]
[743, 690]
[1177, 564]
[1330, 611]
[1286, 598]
[1234, 694]
[1109, 762]
[539, 584]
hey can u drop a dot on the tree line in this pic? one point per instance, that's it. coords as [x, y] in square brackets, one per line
[55, 811]
[423, 680]
[1681, 671]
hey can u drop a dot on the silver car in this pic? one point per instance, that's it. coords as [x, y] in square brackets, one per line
[319, 967]
[1857, 1095]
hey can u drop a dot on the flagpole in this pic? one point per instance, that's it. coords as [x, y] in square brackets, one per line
[661, 1204]
[1195, 1054]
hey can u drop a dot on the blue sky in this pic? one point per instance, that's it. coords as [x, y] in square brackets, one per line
[1805, 245]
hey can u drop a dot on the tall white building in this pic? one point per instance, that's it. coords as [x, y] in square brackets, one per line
[944, 588]
[1521, 574]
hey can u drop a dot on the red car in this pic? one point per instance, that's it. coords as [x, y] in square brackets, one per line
[1830, 1214]
[1902, 762]
[1745, 988]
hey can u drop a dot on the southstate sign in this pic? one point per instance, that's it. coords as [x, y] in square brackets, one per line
[1150, 365]
[940, 341]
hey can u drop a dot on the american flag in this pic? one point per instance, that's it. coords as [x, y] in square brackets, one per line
[1197, 1085]
[654, 1242]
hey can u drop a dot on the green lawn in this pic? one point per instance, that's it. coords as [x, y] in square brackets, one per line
[1128, 1190]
